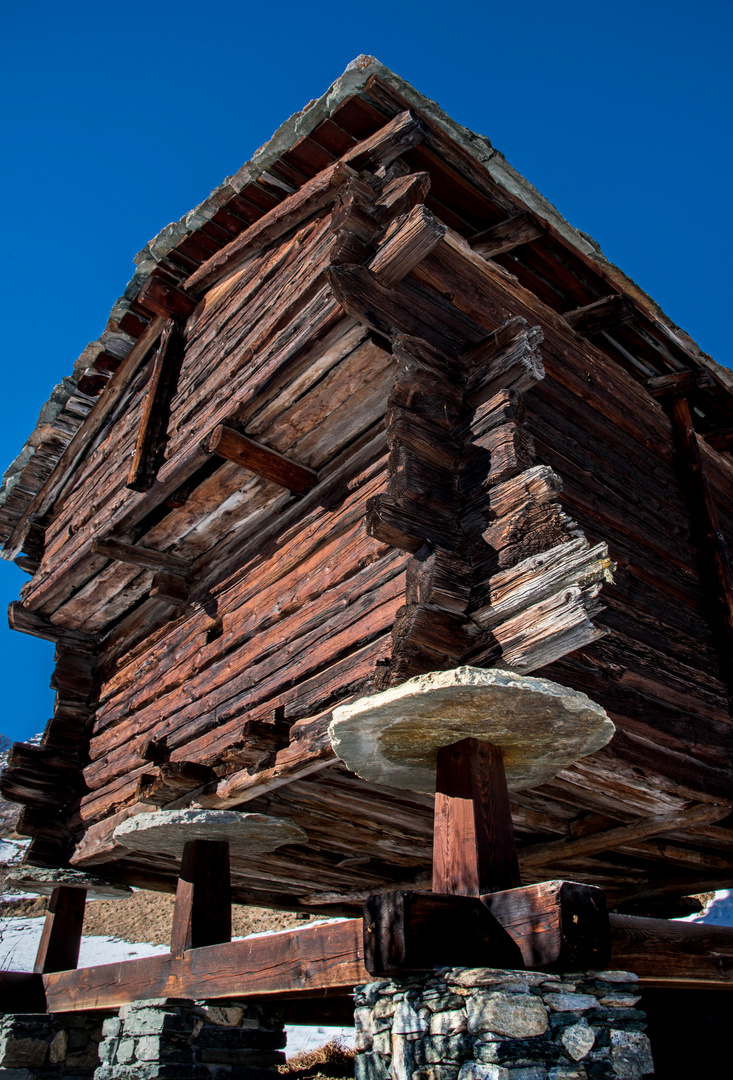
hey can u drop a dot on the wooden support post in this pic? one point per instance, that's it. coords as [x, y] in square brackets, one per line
[203, 909]
[473, 843]
[60, 942]
[230, 444]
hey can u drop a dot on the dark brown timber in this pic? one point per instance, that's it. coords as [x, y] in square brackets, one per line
[202, 914]
[60, 942]
[154, 419]
[229, 444]
[473, 846]
[507, 235]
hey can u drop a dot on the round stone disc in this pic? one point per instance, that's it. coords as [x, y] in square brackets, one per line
[36, 879]
[168, 830]
[393, 738]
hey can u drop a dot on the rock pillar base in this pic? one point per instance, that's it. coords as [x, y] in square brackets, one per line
[493, 1024]
[38, 1046]
[186, 1040]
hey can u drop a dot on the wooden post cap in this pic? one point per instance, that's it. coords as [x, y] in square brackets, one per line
[393, 738]
[43, 881]
[167, 831]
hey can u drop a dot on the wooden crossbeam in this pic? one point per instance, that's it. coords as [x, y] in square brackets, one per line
[151, 434]
[60, 942]
[602, 314]
[605, 840]
[720, 440]
[681, 382]
[330, 959]
[507, 235]
[140, 556]
[202, 914]
[161, 297]
[410, 243]
[230, 444]
[473, 841]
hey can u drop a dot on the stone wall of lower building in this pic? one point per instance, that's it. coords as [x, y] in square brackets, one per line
[491, 1024]
[185, 1040]
[38, 1046]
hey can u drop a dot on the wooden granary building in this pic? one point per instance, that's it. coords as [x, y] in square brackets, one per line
[374, 409]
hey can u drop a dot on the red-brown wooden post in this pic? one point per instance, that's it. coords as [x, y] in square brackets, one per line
[474, 852]
[203, 909]
[60, 942]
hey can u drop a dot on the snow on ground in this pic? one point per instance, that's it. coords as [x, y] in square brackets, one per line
[719, 911]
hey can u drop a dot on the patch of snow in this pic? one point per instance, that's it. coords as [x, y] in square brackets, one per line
[307, 1037]
[19, 940]
[12, 851]
[719, 911]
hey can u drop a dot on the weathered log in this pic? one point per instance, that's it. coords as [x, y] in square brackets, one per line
[140, 556]
[404, 246]
[236, 447]
[507, 235]
[604, 314]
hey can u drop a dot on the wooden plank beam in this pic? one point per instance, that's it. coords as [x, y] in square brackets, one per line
[202, 914]
[58, 949]
[162, 297]
[229, 444]
[681, 382]
[140, 556]
[406, 246]
[154, 421]
[603, 314]
[413, 931]
[309, 960]
[330, 958]
[30, 622]
[674, 954]
[720, 440]
[507, 235]
[607, 839]
[473, 845]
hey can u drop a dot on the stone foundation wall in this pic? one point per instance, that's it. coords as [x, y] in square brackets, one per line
[171, 1037]
[37, 1046]
[491, 1024]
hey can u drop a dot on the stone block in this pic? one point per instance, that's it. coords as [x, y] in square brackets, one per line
[470, 977]
[83, 1059]
[631, 1054]
[451, 1022]
[472, 1070]
[408, 1021]
[571, 1002]
[445, 1049]
[403, 1057]
[59, 1045]
[382, 1042]
[371, 1067]
[24, 1052]
[517, 1016]
[619, 1001]
[578, 1039]
[436, 1072]
[111, 1027]
[225, 1016]
[567, 1072]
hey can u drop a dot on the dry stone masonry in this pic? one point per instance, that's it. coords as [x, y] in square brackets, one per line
[39, 1046]
[493, 1024]
[185, 1040]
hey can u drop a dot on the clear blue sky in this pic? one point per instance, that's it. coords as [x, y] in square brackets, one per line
[120, 118]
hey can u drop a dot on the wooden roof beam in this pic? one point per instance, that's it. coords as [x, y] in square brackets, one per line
[680, 383]
[140, 556]
[607, 839]
[162, 297]
[603, 314]
[259, 459]
[507, 235]
[406, 245]
[720, 440]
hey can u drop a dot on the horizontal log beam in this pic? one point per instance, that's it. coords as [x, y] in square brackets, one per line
[140, 556]
[230, 444]
[308, 960]
[507, 235]
[601, 315]
[410, 243]
[608, 839]
[720, 440]
[330, 959]
[161, 297]
[680, 383]
[30, 622]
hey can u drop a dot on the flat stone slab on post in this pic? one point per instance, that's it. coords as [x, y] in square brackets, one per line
[36, 879]
[170, 830]
[392, 738]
